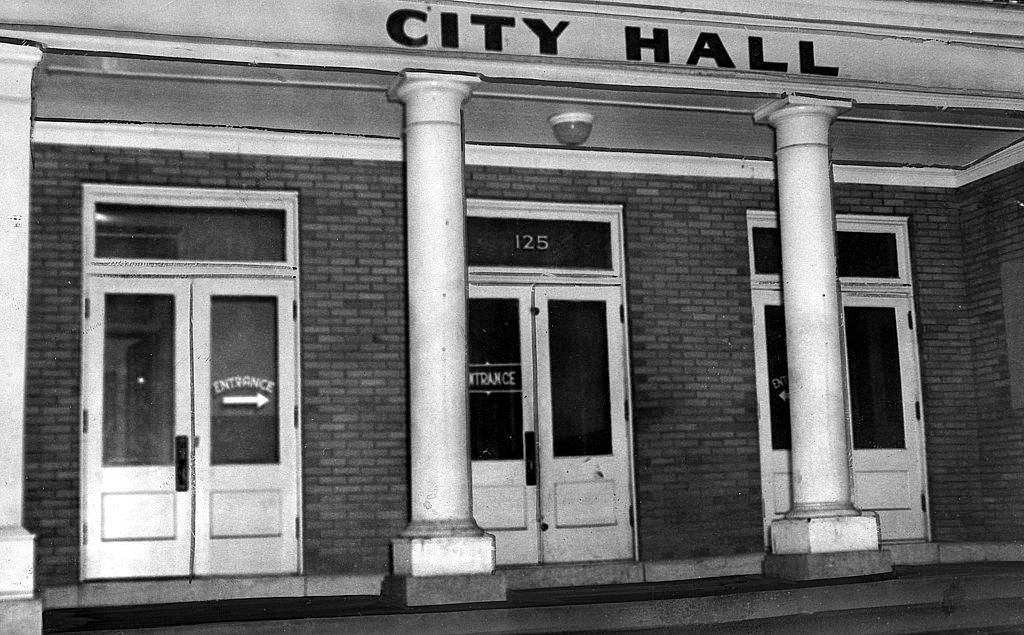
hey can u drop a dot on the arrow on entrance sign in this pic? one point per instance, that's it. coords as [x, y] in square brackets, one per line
[258, 400]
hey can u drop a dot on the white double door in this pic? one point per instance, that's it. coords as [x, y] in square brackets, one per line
[885, 411]
[549, 422]
[189, 438]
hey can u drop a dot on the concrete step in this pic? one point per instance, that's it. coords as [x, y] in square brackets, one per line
[950, 596]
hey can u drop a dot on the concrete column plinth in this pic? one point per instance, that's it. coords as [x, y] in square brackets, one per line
[443, 555]
[825, 534]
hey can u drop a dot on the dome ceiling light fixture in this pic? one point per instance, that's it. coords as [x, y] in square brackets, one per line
[571, 128]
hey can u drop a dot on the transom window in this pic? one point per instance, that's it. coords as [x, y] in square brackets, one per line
[160, 229]
[522, 238]
[869, 249]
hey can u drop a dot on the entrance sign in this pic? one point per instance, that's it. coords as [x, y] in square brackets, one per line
[230, 383]
[489, 377]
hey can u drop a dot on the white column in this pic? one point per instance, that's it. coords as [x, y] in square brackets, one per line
[17, 557]
[822, 518]
[442, 537]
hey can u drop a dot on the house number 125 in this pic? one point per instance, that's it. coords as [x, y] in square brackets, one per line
[532, 242]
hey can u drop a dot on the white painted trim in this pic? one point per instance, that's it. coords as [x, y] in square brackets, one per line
[907, 177]
[216, 139]
[1005, 158]
[333, 146]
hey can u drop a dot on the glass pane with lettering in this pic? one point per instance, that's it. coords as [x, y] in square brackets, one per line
[243, 372]
[521, 242]
[580, 393]
[778, 376]
[495, 380]
[138, 380]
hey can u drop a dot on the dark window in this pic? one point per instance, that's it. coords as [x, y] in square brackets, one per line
[876, 390]
[580, 395]
[860, 254]
[181, 233]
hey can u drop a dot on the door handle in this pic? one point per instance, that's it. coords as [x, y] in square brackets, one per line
[530, 441]
[181, 464]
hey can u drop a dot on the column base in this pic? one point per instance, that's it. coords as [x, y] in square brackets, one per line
[819, 566]
[826, 534]
[447, 589]
[17, 564]
[443, 555]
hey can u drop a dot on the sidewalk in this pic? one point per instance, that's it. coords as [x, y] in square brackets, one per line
[968, 598]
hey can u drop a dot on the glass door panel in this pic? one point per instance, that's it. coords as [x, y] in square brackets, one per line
[501, 419]
[138, 379]
[876, 388]
[244, 418]
[136, 407]
[580, 401]
[495, 380]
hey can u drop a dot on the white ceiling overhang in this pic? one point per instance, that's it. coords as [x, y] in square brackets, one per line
[935, 85]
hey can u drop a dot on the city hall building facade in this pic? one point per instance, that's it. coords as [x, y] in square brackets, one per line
[325, 298]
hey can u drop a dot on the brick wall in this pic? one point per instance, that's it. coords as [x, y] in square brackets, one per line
[944, 332]
[994, 234]
[353, 352]
[695, 409]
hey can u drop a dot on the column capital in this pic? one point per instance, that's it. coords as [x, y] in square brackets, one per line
[788, 105]
[442, 93]
[801, 120]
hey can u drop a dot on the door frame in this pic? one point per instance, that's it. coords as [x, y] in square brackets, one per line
[767, 289]
[144, 273]
[552, 276]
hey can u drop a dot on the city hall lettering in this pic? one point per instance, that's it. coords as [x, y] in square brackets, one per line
[413, 28]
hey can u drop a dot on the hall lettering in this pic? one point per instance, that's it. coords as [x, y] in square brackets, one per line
[710, 46]
[493, 28]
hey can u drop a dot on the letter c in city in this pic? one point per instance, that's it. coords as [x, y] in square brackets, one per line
[396, 27]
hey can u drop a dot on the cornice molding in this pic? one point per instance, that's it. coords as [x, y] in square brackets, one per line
[329, 146]
[512, 67]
